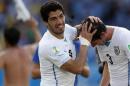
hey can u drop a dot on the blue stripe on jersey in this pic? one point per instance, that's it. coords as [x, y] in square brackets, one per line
[54, 72]
[128, 73]
[36, 57]
[77, 47]
[76, 81]
[36, 60]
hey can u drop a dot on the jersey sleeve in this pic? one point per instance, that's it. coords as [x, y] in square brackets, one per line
[36, 57]
[71, 31]
[125, 42]
[55, 55]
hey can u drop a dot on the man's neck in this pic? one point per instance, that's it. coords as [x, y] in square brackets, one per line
[58, 36]
[10, 46]
[110, 31]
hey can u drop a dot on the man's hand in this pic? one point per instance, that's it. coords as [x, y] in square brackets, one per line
[86, 31]
[92, 19]
[22, 12]
[31, 23]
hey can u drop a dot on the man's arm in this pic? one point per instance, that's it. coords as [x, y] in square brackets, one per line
[32, 23]
[91, 18]
[36, 66]
[78, 27]
[105, 76]
[22, 12]
[77, 65]
[24, 15]
[1, 60]
[36, 71]
[37, 36]
[85, 72]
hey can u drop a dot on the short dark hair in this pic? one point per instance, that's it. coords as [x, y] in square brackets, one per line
[99, 26]
[49, 6]
[12, 36]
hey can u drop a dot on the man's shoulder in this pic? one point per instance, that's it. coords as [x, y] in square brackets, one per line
[3, 53]
[45, 43]
[117, 27]
[7, 53]
[70, 31]
[67, 26]
[47, 36]
[121, 32]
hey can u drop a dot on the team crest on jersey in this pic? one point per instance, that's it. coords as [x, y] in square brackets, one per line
[55, 50]
[116, 50]
[129, 47]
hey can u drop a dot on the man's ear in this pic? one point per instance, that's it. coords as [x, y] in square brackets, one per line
[103, 34]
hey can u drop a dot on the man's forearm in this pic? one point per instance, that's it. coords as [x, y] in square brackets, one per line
[85, 72]
[105, 76]
[37, 35]
[36, 71]
[81, 59]
[76, 66]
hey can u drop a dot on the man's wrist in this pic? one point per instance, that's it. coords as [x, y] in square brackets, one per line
[84, 41]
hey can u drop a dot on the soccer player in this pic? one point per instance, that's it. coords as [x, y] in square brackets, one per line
[36, 65]
[58, 61]
[113, 46]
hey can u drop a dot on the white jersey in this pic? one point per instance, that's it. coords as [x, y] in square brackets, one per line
[53, 53]
[117, 55]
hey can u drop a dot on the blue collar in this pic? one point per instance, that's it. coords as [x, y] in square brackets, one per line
[107, 43]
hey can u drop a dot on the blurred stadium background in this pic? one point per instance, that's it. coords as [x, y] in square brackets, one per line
[112, 12]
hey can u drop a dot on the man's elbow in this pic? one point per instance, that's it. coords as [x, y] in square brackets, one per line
[85, 71]
[36, 75]
[76, 70]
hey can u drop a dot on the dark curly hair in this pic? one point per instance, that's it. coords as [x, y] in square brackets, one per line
[99, 26]
[49, 6]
